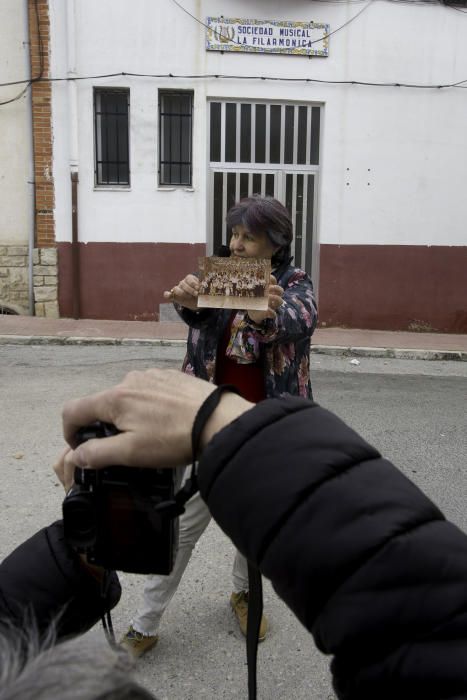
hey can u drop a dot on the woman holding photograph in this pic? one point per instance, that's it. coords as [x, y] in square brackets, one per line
[265, 354]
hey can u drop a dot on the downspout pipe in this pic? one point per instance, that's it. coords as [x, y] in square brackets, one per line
[31, 246]
[31, 178]
[70, 10]
[75, 262]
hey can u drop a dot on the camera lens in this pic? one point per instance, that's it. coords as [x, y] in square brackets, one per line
[79, 520]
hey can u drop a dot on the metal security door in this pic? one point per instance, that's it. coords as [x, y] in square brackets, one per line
[299, 194]
[269, 149]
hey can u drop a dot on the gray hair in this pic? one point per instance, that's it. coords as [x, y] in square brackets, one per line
[82, 668]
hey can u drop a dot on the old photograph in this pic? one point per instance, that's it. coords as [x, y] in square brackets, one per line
[234, 283]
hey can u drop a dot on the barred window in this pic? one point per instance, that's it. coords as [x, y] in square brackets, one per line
[112, 159]
[175, 137]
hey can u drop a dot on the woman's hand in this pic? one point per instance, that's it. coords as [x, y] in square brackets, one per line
[185, 293]
[274, 301]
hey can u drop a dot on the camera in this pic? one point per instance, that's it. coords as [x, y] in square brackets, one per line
[121, 517]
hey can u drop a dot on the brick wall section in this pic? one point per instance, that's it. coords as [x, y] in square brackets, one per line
[45, 275]
[42, 124]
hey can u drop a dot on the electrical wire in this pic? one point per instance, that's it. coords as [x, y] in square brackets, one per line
[326, 36]
[18, 96]
[266, 78]
[315, 41]
[165, 76]
[41, 66]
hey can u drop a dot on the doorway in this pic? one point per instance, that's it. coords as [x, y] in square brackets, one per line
[269, 149]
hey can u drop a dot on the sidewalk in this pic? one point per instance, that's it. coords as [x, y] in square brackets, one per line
[31, 330]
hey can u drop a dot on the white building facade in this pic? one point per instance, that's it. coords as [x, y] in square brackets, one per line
[16, 162]
[156, 136]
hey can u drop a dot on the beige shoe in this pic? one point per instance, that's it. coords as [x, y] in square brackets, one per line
[138, 644]
[239, 604]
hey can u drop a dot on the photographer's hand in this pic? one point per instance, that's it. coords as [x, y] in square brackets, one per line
[64, 472]
[155, 411]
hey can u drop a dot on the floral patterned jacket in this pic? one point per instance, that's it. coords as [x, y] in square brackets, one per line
[282, 345]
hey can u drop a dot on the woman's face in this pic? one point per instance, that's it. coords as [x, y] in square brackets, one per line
[244, 244]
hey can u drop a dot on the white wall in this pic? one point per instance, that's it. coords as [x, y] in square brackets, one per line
[16, 194]
[409, 144]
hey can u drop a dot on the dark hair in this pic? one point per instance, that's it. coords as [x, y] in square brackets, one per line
[264, 214]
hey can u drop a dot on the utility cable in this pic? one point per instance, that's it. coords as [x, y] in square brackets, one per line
[165, 76]
[18, 96]
[266, 78]
[346, 24]
[315, 41]
[41, 66]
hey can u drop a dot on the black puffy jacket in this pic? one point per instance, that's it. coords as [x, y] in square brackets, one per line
[44, 581]
[363, 558]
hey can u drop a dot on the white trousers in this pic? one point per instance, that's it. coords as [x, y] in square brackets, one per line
[159, 590]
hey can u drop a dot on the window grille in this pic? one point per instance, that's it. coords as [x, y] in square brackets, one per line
[112, 160]
[175, 138]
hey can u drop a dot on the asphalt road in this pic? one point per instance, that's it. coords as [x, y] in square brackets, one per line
[413, 411]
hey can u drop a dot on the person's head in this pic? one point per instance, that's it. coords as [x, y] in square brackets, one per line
[79, 669]
[260, 227]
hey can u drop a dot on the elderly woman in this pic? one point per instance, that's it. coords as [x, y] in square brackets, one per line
[265, 354]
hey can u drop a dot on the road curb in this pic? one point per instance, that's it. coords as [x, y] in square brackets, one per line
[79, 340]
[391, 353]
[337, 350]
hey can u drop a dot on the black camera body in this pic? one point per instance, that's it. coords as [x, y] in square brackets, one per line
[114, 515]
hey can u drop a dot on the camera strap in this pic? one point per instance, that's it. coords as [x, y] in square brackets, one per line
[255, 613]
[176, 507]
[255, 593]
[106, 617]
[205, 411]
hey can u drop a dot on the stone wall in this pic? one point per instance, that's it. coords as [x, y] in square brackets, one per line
[14, 280]
[14, 269]
[45, 282]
